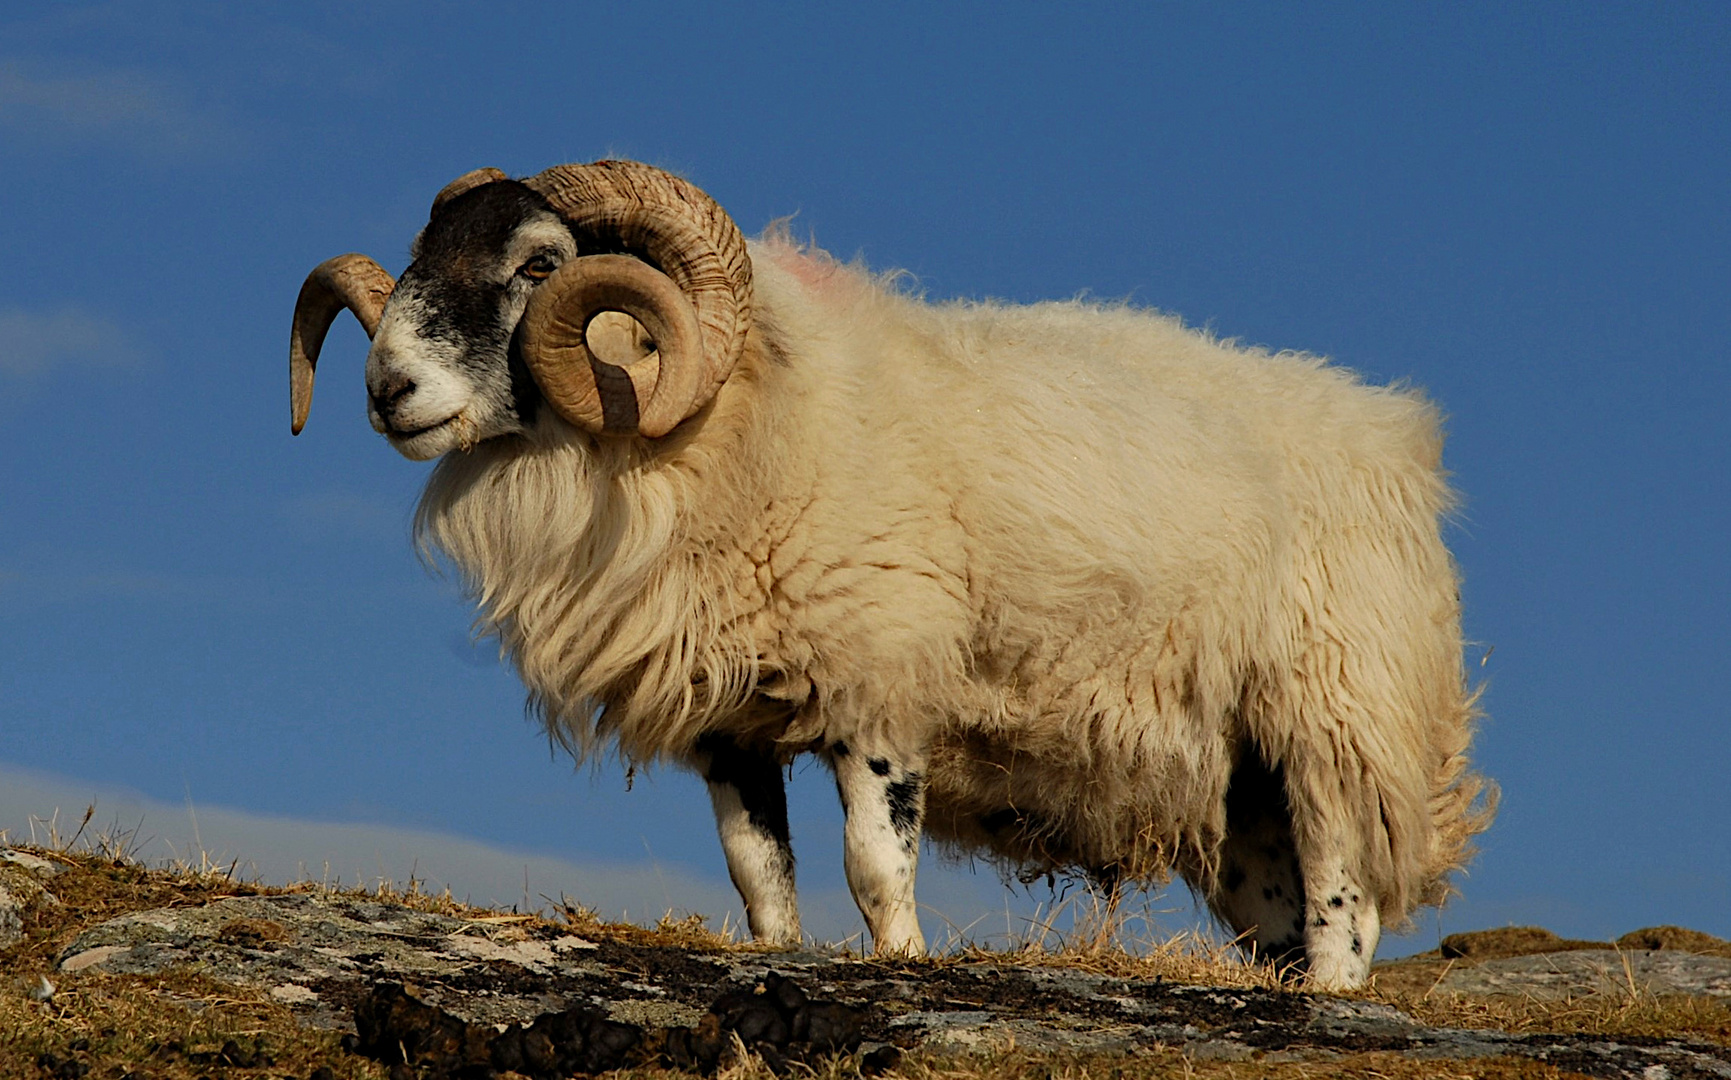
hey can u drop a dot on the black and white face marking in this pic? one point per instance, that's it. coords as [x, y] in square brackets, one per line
[442, 373]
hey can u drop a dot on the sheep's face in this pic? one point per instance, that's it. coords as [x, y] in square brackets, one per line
[444, 372]
[498, 313]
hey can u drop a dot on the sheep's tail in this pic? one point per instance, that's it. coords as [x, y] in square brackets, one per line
[1462, 804]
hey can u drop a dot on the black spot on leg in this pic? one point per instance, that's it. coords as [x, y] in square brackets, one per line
[756, 776]
[1268, 894]
[879, 766]
[1336, 901]
[1280, 892]
[904, 799]
[1357, 945]
[1320, 922]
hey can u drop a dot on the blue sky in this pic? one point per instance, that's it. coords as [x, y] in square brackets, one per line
[1520, 207]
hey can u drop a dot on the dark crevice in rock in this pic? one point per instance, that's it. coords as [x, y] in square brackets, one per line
[776, 1020]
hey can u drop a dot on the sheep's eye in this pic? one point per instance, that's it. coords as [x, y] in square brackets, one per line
[539, 268]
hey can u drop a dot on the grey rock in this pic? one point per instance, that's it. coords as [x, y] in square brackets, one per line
[1231, 1050]
[1340, 1018]
[36, 864]
[11, 917]
[1554, 976]
[959, 1030]
[21, 888]
[318, 953]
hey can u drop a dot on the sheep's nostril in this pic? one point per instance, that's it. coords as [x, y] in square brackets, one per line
[389, 392]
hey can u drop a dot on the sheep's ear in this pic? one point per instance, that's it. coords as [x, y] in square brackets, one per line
[470, 180]
[347, 281]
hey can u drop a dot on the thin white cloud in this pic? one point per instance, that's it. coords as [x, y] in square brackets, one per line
[124, 107]
[33, 342]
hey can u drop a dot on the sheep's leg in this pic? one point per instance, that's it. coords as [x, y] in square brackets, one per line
[1342, 924]
[883, 793]
[1259, 891]
[1296, 906]
[750, 801]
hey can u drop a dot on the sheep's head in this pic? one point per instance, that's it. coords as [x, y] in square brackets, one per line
[518, 293]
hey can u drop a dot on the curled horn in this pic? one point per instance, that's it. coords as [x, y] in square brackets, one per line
[347, 281]
[686, 277]
[470, 180]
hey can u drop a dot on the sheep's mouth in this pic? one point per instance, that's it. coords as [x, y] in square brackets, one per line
[405, 434]
[455, 432]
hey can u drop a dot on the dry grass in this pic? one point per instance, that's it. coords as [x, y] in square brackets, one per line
[175, 1027]
[1184, 958]
[1160, 1064]
[1013, 1063]
[1113, 937]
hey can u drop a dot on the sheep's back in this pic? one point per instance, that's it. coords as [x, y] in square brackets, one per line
[1144, 514]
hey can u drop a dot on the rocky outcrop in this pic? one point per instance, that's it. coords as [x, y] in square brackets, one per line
[324, 955]
[1533, 963]
[1583, 972]
[23, 884]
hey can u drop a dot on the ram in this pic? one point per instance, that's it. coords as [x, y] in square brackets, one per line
[1066, 585]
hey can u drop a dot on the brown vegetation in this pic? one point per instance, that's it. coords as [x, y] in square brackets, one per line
[183, 1026]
